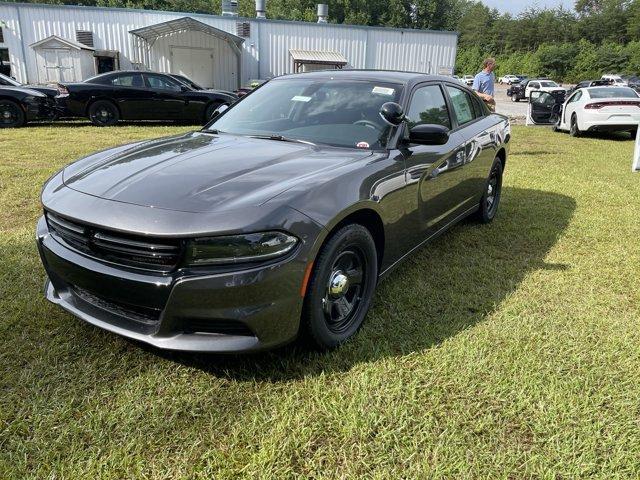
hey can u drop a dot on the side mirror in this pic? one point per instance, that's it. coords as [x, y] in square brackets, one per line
[429, 134]
[392, 113]
[221, 108]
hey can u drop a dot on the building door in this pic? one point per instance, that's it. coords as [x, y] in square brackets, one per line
[194, 63]
[58, 65]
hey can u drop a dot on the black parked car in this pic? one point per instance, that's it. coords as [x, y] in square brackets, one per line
[280, 216]
[134, 95]
[190, 83]
[19, 105]
[589, 83]
[50, 92]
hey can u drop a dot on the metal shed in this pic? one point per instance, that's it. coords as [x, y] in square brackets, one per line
[309, 60]
[62, 60]
[165, 41]
[194, 49]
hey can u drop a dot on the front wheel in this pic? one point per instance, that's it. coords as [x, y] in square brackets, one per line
[341, 289]
[103, 113]
[493, 191]
[209, 114]
[11, 115]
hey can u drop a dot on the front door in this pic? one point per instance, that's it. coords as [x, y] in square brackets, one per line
[433, 172]
[169, 102]
[544, 108]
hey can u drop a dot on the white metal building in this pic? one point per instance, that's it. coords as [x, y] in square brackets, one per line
[48, 43]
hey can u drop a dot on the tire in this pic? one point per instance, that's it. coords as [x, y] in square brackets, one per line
[513, 98]
[574, 131]
[103, 113]
[11, 114]
[211, 108]
[492, 193]
[555, 126]
[341, 289]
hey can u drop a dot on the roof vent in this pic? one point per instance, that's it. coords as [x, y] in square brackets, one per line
[230, 8]
[261, 9]
[84, 37]
[323, 12]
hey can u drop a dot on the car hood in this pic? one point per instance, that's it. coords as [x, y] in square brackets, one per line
[24, 90]
[202, 172]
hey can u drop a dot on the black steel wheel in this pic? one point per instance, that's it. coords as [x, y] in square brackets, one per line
[341, 288]
[11, 115]
[103, 113]
[574, 131]
[493, 191]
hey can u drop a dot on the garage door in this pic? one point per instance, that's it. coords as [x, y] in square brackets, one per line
[195, 63]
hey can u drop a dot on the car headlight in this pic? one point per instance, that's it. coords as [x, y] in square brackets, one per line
[252, 247]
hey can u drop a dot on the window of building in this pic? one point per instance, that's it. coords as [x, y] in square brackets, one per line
[5, 65]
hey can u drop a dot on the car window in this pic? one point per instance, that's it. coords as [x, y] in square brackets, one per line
[576, 96]
[612, 92]
[549, 84]
[162, 83]
[462, 105]
[126, 80]
[428, 106]
[534, 85]
[344, 113]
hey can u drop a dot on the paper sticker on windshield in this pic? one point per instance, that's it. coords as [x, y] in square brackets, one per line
[383, 91]
[300, 98]
[362, 145]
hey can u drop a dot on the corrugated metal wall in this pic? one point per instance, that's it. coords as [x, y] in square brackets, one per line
[265, 51]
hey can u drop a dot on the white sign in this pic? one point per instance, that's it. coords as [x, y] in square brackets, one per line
[635, 167]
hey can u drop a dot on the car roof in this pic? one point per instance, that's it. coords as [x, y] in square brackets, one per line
[391, 76]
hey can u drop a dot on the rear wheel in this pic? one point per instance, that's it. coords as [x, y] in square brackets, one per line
[341, 288]
[103, 113]
[11, 115]
[493, 191]
[574, 131]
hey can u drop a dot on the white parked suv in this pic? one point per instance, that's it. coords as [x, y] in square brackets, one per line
[508, 79]
[615, 80]
[543, 86]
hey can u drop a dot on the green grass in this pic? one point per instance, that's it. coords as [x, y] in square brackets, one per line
[503, 351]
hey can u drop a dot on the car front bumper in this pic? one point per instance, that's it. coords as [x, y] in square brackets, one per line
[190, 309]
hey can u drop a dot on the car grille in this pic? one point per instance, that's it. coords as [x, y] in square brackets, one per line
[134, 251]
[145, 315]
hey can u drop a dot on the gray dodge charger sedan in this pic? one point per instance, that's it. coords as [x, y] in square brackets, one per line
[276, 219]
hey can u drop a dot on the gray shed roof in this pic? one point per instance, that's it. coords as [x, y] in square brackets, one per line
[322, 57]
[152, 32]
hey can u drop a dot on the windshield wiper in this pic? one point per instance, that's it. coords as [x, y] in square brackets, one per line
[282, 138]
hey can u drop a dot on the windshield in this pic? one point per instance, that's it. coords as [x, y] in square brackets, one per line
[549, 84]
[188, 82]
[612, 92]
[343, 113]
[4, 80]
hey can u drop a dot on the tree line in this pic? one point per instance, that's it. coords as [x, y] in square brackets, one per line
[599, 36]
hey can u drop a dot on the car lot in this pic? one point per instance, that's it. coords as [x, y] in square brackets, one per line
[486, 345]
[504, 105]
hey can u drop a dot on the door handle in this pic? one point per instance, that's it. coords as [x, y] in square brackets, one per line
[438, 170]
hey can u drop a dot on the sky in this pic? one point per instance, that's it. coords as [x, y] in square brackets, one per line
[517, 6]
